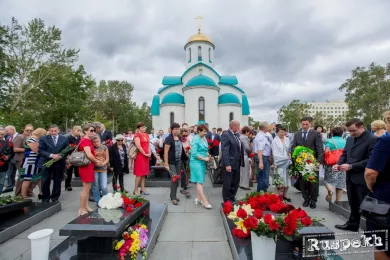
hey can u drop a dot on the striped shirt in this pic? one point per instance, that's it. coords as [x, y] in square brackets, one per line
[262, 143]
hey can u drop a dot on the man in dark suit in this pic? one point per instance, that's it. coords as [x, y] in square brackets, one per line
[311, 139]
[353, 162]
[231, 160]
[105, 134]
[214, 151]
[49, 148]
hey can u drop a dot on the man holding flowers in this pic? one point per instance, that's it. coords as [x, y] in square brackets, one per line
[312, 140]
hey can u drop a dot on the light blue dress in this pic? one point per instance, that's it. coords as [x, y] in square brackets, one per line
[199, 147]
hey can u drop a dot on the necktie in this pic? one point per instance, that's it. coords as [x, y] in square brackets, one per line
[237, 140]
[304, 135]
[55, 140]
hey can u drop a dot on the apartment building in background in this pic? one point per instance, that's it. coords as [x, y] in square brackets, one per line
[332, 108]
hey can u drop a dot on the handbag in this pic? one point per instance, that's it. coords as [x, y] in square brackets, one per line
[375, 210]
[133, 151]
[77, 158]
[332, 157]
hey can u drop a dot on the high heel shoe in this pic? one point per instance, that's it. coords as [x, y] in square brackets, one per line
[208, 206]
[82, 212]
[198, 201]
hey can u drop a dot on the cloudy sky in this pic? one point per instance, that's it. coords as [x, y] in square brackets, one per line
[279, 50]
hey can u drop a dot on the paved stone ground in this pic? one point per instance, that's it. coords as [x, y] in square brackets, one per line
[190, 232]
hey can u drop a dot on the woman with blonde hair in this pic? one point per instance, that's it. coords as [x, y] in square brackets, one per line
[29, 170]
[378, 127]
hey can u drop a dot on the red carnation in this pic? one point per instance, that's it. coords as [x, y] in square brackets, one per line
[308, 161]
[241, 213]
[208, 141]
[227, 207]
[267, 218]
[251, 155]
[239, 233]
[1, 164]
[258, 213]
[210, 147]
[10, 144]
[188, 147]
[251, 223]
[311, 178]
[301, 213]
[306, 221]
[274, 225]
[138, 204]
[288, 231]
[129, 209]
[126, 200]
[215, 143]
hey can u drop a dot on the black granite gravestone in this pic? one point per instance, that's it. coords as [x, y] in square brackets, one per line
[69, 248]
[158, 177]
[342, 208]
[101, 228]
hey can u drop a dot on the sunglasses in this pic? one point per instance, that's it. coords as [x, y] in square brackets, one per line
[119, 140]
[184, 136]
[92, 130]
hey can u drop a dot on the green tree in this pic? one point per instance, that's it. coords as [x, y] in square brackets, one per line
[253, 122]
[28, 49]
[290, 115]
[367, 92]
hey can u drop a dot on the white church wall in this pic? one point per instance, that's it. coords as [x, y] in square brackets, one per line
[195, 72]
[155, 122]
[191, 97]
[165, 116]
[194, 57]
[224, 115]
[228, 89]
[245, 120]
[175, 89]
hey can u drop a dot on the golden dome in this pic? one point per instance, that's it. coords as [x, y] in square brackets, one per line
[199, 37]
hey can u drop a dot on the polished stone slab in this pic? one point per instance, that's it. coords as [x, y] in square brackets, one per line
[76, 182]
[15, 206]
[158, 177]
[102, 222]
[68, 249]
[215, 177]
[342, 208]
[285, 250]
[13, 223]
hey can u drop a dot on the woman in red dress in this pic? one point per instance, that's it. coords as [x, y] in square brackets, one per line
[86, 173]
[141, 162]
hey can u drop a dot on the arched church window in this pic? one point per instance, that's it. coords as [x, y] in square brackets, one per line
[201, 109]
[172, 118]
[231, 116]
[210, 55]
[189, 54]
[199, 53]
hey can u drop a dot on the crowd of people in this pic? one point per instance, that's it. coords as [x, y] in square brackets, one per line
[241, 154]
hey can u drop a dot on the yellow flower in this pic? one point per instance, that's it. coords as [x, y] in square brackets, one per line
[299, 160]
[240, 225]
[119, 244]
[304, 155]
[134, 235]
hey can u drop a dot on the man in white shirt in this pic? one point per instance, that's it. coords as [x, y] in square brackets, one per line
[262, 149]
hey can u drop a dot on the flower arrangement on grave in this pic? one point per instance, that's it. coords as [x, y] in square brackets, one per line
[120, 199]
[250, 214]
[63, 153]
[5, 200]
[134, 241]
[278, 182]
[305, 163]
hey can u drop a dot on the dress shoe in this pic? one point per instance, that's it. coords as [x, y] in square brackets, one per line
[305, 203]
[313, 205]
[347, 227]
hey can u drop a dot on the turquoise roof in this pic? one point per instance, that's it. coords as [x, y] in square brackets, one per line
[171, 80]
[201, 122]
[197, 64]
[173, 98]
[155, 109]
[245, 106]
[201, 80]
[228, 98]
[228, 80]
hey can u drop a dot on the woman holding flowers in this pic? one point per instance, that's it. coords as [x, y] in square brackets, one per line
[282, 160]
[199, 157]
[29, 171]
[87, 174]
[334, 180]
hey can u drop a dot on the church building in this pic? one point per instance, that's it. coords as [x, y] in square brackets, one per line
[200, 94]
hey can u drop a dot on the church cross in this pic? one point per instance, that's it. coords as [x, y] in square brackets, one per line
[199, 18]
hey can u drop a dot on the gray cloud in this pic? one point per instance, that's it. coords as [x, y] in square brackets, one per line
[279, 50]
